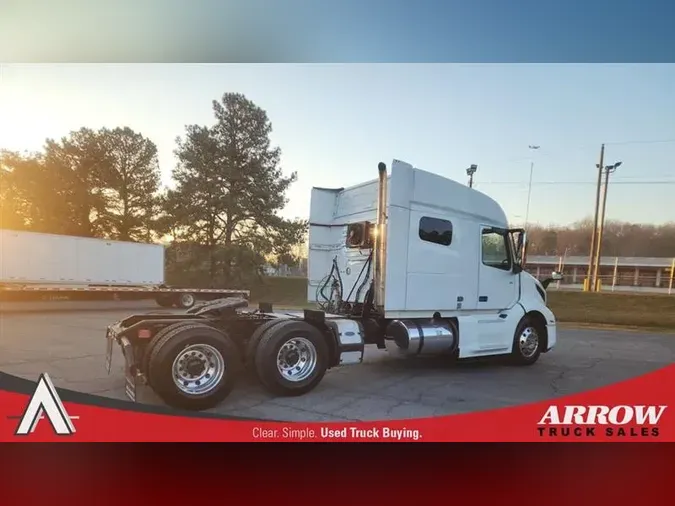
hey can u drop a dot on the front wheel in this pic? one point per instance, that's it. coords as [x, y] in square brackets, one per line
[291, 358]
[193, 367]
[527, 342]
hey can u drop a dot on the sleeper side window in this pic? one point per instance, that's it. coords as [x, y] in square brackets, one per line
[435, 230]
[495, 250]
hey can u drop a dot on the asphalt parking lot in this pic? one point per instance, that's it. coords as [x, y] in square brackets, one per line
[69, 344]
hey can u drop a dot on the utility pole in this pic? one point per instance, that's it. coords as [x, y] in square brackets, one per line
[589, 276]
[608, 170]
[529, 186]
[529, 193]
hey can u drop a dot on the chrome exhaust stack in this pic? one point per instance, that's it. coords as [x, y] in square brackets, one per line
[380, 239]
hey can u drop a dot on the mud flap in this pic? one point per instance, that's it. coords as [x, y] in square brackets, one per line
[130, 375]
[110, 341]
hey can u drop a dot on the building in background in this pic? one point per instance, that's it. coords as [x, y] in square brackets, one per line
[615, 273]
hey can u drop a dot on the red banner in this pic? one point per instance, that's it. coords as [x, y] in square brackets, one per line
[637, 410]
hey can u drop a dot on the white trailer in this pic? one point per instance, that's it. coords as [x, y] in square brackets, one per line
[411, 262]
[60, 266]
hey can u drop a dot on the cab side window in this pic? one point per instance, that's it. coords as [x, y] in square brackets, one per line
[495, 251]
[435, 230]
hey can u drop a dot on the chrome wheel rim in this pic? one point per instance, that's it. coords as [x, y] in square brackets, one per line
[187, 300]
[297, 359]
[528, 342]
[198, 369]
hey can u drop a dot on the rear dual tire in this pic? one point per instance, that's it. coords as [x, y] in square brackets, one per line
[289, 357]
[192, 366]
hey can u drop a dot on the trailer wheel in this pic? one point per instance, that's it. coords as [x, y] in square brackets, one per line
[291, 358]
[193, 367]
[186, 300]
[527, 342]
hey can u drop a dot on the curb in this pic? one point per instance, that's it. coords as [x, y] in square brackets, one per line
[609, 327]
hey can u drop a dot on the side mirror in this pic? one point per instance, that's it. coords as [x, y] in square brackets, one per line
[555, 276]
[518, 240]
[520, 247]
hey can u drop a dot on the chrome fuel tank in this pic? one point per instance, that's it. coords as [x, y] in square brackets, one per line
[419, 337]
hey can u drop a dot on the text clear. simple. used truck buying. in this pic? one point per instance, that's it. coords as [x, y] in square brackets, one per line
[411, 262]
[54, 266]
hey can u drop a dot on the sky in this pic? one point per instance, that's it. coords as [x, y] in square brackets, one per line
[345, 30]
[335, 122]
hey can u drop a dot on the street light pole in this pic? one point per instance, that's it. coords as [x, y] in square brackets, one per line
[591, 253]
[470, 172]
[598, 252]
[529, 187]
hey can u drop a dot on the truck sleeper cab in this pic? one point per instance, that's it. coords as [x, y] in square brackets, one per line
[446, 255]
[410, 262]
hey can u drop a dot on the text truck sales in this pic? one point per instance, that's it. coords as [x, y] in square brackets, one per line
[610, 421]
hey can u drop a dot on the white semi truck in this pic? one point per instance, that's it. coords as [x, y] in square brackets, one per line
[52, 267]
[410, 262]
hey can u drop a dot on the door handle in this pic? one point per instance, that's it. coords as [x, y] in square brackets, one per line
[482, 298]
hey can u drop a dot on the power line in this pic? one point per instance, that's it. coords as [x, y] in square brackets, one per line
[624, 143]
[666, 176]
[522, 183]
[566, 151]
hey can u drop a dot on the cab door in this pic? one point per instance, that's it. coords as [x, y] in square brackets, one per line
[497, 283]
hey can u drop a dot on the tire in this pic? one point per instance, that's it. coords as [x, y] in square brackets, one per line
[164, 300]
[186, 300]
[145, 362]
[297, 335]
[523, 351]
[190, 342]
[252, 345]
